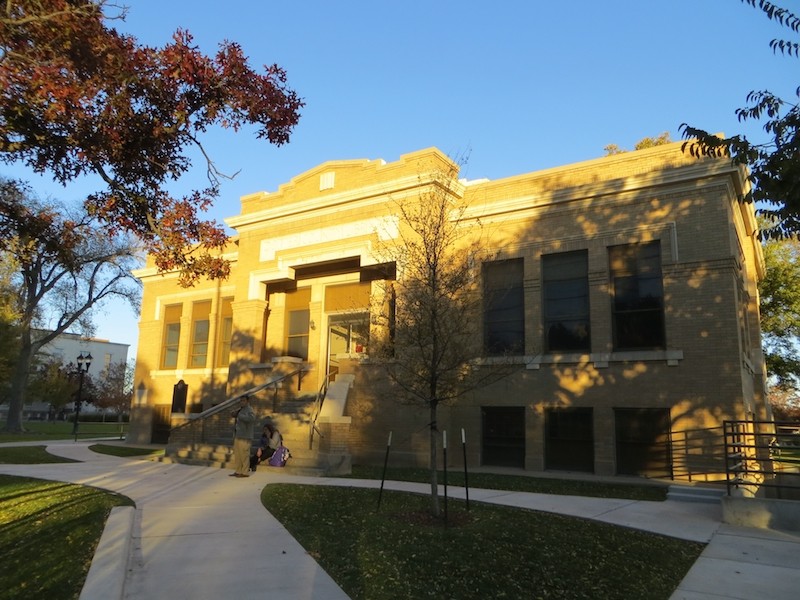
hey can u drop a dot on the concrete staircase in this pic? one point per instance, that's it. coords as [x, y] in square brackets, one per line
[220, 456]
[206, 439]
[693, 493]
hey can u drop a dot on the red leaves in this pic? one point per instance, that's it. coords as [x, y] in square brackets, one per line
[77, 97]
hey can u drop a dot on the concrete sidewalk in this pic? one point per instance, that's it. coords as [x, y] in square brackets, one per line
[195, 533]
[198, 533]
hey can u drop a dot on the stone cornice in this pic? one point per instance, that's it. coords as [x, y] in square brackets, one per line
[330, 203]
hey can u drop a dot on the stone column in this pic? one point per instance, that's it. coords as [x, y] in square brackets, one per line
[249, 325]
[184, 345]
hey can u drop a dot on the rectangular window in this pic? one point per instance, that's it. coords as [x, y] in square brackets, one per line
[172, 336]
[565, 284]
[225, 332]
[569, 439]
[297, 322]
[638, 296]
[643, 442]
[297, 342]
[200, 330]
[504, 307]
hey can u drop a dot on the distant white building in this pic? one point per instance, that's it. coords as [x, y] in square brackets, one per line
[66, 348]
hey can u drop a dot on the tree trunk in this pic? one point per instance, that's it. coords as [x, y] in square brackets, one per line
[19, 383]
[434, 481]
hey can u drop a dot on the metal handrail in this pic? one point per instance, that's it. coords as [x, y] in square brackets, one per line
[753, 456]
[318, 401]
[226, 404]
[700, 444]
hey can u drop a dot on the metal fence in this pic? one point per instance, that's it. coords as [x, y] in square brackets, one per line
[763, 458]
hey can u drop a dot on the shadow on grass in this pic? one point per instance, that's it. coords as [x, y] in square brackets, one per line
[522, 483]
[49, 533]
[489, 552]
[30, 455]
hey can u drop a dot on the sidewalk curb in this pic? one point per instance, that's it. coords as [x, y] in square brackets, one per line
[106, 577]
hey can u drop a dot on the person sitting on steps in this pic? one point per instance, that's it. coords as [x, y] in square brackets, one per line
[271, 438]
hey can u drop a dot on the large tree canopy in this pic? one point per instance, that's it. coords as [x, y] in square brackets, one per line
[780, 311]
[62, 267]
[774, 164]
[79, 98]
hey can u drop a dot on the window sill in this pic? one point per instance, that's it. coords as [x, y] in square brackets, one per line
[179, 373]
[295, 360]
[351, 356]
[601, 360]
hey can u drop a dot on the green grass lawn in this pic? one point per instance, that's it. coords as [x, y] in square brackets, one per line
[523, 483]
[62, 430]
[48, 534]
[29, 455]
[400, 551]
[49, 530]
[34, 455]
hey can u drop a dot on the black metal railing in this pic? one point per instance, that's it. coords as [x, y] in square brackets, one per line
[318, 401]
[698, 455]
[763, 457]
[210, 424]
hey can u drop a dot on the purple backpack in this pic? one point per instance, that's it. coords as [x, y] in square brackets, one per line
[280, 456]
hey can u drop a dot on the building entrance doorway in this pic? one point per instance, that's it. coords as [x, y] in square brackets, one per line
[347, 338]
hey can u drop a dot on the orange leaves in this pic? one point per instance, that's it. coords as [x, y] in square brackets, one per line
[77, 97]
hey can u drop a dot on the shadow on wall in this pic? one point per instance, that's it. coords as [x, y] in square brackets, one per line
[377, 407]
[244, 371]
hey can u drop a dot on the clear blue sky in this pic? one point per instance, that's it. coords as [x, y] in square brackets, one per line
[520, 85]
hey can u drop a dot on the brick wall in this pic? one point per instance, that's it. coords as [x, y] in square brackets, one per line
[690, 207]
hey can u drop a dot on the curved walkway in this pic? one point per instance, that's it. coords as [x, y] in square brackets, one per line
[198, 533]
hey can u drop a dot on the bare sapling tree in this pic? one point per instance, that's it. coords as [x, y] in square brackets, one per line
[430, 314]
[66, 266]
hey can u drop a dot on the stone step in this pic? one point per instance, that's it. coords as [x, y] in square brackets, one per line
[222, 456]
[302, 467]
[690, 493]
[295, 440]
[219, 453]
[297, 450]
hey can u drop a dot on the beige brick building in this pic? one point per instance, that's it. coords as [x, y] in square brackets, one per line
[632, 316]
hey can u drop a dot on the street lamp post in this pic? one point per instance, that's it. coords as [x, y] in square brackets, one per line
[84, 361]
